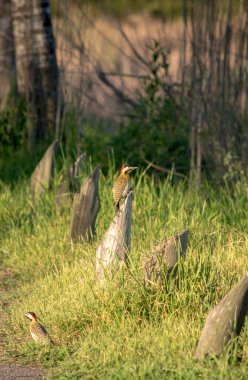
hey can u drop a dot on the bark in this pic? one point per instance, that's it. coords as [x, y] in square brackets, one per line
[165, 259]
[7, 56]
[198, 148]
[113, 251]
[37, 72]
[21, 19]
[224, 321]
[85, 209]
[42, 176]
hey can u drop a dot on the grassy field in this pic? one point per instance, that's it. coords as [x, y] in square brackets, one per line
[124, 332]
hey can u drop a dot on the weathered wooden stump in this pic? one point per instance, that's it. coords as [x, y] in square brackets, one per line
[165, 258]
[42, 176]
[85, 209]
[70, 183]
[224, 321]
[113, 250]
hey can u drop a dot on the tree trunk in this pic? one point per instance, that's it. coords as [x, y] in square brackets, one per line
[7, 56]
[37, 72]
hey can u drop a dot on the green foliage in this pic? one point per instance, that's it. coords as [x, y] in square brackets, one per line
[122, 8]
[13, 131]
[125, 332]
[166, 10]
[94, 137]
[158, 129]
[19, 164]
[14, 158]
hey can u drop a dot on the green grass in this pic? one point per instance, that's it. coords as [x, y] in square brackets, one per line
[124, 332]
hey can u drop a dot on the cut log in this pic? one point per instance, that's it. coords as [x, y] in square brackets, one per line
[42, 176]
[165, 258]
[224, 321]
[113, 250]
[85, 209]
[70, 183]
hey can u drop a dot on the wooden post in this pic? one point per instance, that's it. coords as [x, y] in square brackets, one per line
[165, 258]
[42, 176]
[224, 321]
[70, 183]
[85, 209]
[113, 250]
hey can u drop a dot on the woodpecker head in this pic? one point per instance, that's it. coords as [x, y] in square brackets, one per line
[31, 316]
[127, 169]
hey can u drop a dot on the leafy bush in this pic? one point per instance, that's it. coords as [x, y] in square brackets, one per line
[13, 130]
[157, 130]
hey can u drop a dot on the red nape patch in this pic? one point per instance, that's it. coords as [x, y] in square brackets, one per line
[123, 167]
[34, 315]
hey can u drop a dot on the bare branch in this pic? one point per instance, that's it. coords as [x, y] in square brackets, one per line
[164, 170]
[135, 51]
[118, 93]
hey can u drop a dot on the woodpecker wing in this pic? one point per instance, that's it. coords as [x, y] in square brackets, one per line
[38, 330]
[120, 187]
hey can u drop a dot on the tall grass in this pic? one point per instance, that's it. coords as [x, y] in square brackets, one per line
[124, 332]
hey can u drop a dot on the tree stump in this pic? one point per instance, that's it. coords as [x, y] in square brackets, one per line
[113, 250]
[70, 183]
[224, 321]
[165, 258]
[85, 209]
[42, 176]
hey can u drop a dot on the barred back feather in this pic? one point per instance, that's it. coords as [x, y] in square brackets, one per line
[39, 333]
[121, 188]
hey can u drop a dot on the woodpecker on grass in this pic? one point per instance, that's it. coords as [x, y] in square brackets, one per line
[37, 331]
[122, 184]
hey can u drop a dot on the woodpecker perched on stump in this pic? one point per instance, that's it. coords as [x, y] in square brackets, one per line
[37, 331]
[122, 184]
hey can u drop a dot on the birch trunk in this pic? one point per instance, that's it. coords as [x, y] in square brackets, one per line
[21, 19]
[113, 251]
[37, 72]
[7, 57]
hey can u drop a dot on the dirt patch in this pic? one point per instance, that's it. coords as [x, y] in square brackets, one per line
[14, 371]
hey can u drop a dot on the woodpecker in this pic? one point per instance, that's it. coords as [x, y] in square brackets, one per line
[122, 184]
[37, 331]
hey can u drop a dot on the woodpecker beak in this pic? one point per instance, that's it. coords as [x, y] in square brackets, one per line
[26, 315]
[131, 168]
